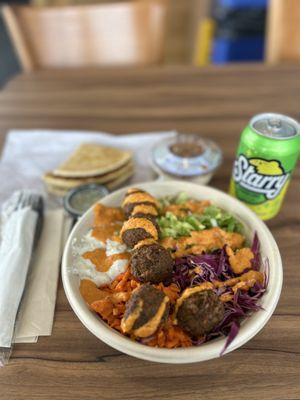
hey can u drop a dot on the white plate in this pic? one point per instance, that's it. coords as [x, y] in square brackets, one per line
[249, 328]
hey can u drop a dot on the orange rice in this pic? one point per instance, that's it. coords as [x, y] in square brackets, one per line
[111, 310]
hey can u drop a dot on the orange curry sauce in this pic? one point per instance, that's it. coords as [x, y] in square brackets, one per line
[107, 225]
[108, 222]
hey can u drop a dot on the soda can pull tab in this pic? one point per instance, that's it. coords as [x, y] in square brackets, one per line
[274, 124]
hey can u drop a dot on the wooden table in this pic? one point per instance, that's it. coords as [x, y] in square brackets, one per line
[216, 103]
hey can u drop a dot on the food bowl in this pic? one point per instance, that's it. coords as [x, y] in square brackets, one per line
[212, 349]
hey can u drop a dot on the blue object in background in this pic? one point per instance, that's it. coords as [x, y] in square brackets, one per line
[240, 30]
[243, 3]
[237, 49]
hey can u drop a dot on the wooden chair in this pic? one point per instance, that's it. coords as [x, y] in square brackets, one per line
[125, 33]
[283, 31]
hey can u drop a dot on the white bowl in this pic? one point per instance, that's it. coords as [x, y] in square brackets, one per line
[249, 328]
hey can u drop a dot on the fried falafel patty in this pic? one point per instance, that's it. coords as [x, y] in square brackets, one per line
[199, 311]
[146, 311]
[149, 217]
[133, 190]
[145, 209]
[137, 198]
[137, 229]
[151, 263]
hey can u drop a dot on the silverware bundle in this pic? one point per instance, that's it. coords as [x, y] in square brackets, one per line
[22, 223]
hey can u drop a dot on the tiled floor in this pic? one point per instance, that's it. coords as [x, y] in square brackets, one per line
[8, 62]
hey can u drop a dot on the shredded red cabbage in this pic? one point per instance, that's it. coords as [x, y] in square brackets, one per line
[234, 330]
[255, 250]
[215, 266]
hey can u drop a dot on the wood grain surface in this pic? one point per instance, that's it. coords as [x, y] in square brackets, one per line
[216, 103]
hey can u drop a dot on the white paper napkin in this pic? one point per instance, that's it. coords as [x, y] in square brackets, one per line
[15, 254]
[38, 304]
[27, 155]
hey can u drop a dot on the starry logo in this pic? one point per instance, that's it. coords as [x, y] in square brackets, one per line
[266, 177]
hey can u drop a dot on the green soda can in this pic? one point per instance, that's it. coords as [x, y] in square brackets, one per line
[266, 158]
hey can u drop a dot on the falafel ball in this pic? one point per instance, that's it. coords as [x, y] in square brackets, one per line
[134, 190]
[137, 198]
[200, 312]
[149, 217]
[151, 263]
[132, 236]
[145, 209]
[146, 311]
[137, 229]
[144, 242]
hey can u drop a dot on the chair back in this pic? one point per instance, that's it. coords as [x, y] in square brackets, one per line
[283, 31]
[125, 33]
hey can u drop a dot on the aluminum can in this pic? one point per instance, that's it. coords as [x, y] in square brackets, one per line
[266, 158]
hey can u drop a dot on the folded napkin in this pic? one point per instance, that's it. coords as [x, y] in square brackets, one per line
[38, 304]
[37, 272]
[18, 234]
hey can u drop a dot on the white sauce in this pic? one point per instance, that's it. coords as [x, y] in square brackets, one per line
[117, 268]
[87, 243]
[85, 269]
[114, 248]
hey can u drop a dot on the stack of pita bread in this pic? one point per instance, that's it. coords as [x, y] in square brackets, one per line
[91, 163]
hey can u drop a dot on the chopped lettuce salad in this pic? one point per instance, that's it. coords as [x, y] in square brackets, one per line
[213, 216]
[180, 198]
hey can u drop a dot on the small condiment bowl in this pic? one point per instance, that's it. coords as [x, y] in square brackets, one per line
[212, 349]
[187, 157]
[78, 200]
[203, 179]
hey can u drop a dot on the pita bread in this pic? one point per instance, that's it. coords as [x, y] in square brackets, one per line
[91, 159]
[69, 183]
[59, 191]
[119, 181]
